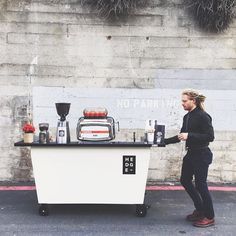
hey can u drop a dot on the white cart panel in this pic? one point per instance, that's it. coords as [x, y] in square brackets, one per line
[89, 175]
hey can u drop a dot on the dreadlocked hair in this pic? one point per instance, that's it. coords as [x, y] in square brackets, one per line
[194, 95]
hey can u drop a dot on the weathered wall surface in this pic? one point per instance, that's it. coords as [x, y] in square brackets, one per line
[57, 43]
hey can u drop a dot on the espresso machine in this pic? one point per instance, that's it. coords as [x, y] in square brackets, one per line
[63, 131]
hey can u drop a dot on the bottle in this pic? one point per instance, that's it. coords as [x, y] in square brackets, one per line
[150, 132]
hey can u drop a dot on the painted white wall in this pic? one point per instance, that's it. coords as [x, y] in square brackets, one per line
[133, 106]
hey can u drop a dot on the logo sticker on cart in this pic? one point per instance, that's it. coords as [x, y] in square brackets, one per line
[129, 165]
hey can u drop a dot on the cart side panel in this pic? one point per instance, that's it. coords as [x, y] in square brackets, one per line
[89, 175]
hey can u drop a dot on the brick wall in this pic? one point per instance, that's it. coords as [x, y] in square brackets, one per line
[57, 43]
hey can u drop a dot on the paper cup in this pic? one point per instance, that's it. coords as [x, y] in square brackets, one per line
[150, 137]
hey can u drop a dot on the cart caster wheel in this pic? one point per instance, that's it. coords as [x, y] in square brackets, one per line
[141, 210]
[43, 210]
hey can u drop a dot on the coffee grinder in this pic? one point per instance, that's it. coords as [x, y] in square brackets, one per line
[43, 134]
[63, 132]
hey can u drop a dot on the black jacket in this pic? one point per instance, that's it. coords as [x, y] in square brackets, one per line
[198, 125]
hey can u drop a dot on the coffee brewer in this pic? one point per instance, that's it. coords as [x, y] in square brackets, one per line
[43, 134]
[159, 133]
[63, 132]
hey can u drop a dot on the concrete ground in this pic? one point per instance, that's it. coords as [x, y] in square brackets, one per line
[19, 216]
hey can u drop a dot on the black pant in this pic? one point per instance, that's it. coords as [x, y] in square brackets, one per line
[196, 163]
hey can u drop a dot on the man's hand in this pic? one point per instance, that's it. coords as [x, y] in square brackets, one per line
[183, 136]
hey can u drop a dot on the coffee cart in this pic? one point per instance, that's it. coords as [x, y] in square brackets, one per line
[93, 170]
[90, 173]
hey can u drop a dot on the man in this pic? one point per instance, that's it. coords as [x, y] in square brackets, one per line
[197, 131]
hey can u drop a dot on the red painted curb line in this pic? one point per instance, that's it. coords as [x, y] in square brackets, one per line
[150, 188]
[17, 188]
[174, 188]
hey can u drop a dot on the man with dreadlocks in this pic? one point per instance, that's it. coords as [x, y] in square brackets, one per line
[197, 131]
